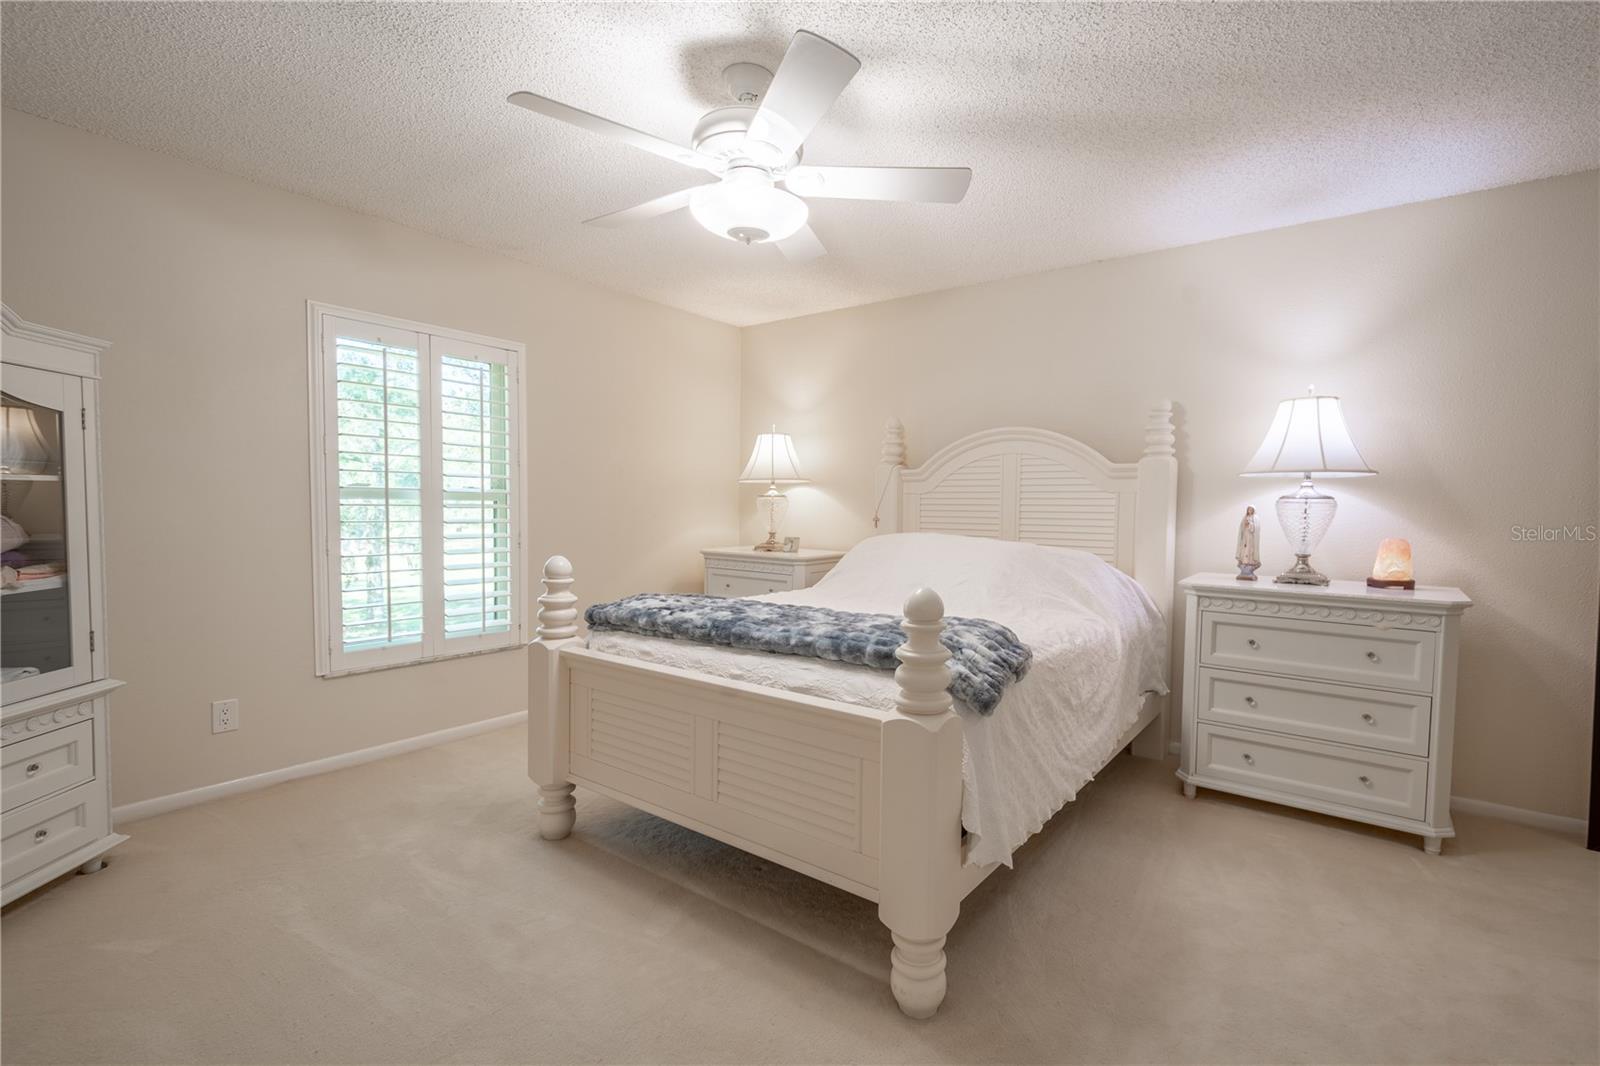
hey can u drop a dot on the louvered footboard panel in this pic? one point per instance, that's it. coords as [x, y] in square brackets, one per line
[788, 777]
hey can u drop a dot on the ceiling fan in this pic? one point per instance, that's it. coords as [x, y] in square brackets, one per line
[753, 147]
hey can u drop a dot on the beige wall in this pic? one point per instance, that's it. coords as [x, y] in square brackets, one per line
[1462, 334]
[201, 281]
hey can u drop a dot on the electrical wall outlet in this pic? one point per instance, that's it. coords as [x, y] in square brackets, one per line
[224, 716]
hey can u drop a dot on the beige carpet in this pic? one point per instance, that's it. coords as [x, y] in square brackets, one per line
[404, 911]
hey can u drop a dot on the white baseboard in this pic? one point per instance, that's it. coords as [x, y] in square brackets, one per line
[176, 801]
[1557, 823]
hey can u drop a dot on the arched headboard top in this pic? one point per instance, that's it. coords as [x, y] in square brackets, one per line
[1035, 485]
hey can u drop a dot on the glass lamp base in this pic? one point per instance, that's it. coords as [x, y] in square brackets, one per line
[772, 505]
[1305, 515]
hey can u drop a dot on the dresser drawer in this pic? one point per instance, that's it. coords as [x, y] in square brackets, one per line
[43, 832]
[43, 765]
[1331, 651]
[1391, 721]
[746, 583]
[1370, 780]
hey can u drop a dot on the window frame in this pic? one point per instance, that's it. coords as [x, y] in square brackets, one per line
[331, 659]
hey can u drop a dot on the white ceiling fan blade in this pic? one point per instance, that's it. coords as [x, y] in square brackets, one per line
[801, 246]
[922, 185]
[606, 128]
[813, 73]
[661, 205]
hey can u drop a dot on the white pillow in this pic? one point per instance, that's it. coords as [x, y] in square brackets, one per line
[985, 578]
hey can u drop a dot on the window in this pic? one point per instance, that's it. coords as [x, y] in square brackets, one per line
[415, 466]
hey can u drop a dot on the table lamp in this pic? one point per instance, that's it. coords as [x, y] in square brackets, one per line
[1307, 438]
[772, 463]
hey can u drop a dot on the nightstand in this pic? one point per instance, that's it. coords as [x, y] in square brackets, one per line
[747, 572]
[1336, 699]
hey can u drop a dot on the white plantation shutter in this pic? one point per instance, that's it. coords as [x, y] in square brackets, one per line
[418, 444]
[476, 446]
[378, 399]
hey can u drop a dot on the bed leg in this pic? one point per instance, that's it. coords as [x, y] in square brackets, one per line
[557, 811]
[549, 728]
[1151, 743]
[920, 814]
[916, 975]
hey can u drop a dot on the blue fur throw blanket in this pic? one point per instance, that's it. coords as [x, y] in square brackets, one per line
[985, 656]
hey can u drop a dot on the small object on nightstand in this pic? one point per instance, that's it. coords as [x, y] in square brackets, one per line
[1247, 548]
[753, 572]
[1336, 699]
[1392, 569]
[791, 544]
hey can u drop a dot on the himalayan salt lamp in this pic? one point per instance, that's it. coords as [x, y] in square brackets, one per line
[1392, 568]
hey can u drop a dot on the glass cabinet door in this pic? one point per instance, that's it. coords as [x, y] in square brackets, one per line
[44, 580]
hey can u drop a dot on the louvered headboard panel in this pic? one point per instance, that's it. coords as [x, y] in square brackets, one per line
[1042, 487]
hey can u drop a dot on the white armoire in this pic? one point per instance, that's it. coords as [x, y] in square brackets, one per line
[54, 679]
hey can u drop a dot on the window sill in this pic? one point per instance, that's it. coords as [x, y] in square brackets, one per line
[351, 671]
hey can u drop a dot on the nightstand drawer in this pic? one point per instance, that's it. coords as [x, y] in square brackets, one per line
[1390, 784]
[738, 583]
[1331, 651]
[1391, 721]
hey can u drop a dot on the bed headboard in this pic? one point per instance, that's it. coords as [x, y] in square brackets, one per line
[1033, 485]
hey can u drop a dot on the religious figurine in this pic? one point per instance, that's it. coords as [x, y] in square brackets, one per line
[1247, 549]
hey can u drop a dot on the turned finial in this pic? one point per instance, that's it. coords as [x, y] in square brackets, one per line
[1158, 434]
[558, 613]
[894, 443]
[922, 675]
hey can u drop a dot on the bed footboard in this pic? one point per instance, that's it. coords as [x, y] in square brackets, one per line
[866, 800]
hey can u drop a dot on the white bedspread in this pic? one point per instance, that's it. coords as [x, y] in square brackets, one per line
[1098, 641]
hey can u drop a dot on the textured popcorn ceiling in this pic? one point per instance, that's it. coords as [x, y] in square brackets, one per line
[1092, 131]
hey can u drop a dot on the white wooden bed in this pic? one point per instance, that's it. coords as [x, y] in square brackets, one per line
[866, 800]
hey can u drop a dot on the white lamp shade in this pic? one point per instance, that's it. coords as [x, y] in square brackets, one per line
[1308, 437]
[773, 461]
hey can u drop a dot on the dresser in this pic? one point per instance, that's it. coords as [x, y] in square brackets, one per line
[747, 572]
[55, 787]
[1336, 699]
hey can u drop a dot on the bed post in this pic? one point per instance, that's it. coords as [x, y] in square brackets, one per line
[886, 518]
[548, 739]
[920, 862]
[1155, 547]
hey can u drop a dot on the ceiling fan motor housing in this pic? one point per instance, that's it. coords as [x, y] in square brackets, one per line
[721, 135]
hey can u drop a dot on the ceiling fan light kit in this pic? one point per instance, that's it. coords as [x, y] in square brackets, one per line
[754, 146]
[746, 206]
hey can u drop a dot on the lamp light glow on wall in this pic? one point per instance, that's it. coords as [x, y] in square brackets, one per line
[772, 463]
[1308, 438]
[746, 206]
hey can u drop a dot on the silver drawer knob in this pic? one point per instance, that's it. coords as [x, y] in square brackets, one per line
[1365, 780]
[32, 769]
[1253, 643]
[1367, 718]
[1249, 701]
[40, 834]
[1372, 656]
[1250, 759]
